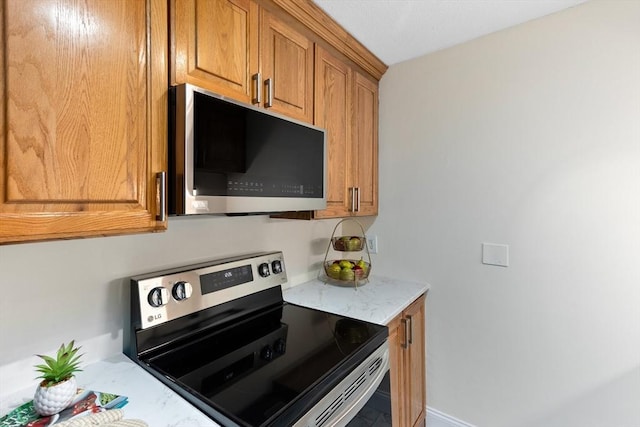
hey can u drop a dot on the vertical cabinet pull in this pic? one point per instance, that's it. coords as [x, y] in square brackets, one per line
[161, 196]
[352, 191]
[269, 101]
[357, 199]
[257, 87]
[410, 322]
[405, 344]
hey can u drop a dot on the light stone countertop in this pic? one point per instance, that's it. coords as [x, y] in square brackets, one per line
[378, 301]
[149, 399]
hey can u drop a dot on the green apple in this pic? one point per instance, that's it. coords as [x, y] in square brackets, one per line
[353, 244]
[334, 270]
[346, 264]
[347, 274]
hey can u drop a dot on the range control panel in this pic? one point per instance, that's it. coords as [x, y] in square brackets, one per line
[170, 294]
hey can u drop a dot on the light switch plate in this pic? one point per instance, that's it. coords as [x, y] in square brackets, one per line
[495, 254]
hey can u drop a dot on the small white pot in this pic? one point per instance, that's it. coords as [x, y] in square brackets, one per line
[53, 399]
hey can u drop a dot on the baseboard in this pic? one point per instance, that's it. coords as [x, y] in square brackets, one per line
[436, 418]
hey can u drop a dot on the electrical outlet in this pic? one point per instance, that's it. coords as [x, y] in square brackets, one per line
[372, 244]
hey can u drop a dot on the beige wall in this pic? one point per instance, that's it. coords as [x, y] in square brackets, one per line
[53, 292]
[528, 137]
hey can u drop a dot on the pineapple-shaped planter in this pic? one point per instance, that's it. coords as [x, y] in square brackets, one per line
[58, 386]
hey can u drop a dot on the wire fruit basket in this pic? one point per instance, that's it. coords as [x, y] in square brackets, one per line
[346, 270]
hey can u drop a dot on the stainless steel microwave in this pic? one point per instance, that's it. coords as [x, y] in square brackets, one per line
[226, 157]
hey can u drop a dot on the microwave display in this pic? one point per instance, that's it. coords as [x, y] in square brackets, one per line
[243, 152]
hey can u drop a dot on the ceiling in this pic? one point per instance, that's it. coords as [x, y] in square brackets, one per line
[398, 30]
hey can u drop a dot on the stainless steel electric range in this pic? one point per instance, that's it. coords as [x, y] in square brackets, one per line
[220, 335]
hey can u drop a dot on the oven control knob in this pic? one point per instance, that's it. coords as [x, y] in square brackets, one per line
[276, 266]
[158, 297]
[266, 353]
[280, 346]
[181, 290]
[263, 269]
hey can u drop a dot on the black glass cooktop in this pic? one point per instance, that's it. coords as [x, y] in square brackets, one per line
[271, 368]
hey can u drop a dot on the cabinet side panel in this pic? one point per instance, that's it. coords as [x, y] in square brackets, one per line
[397, 373]
[415, 362]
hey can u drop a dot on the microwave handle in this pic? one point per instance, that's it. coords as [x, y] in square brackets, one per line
[256, 80]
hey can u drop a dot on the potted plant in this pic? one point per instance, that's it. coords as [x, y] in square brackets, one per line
[58, 386]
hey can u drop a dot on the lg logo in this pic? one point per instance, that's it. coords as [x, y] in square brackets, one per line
[154, 317]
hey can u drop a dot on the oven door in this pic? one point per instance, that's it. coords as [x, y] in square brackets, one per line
[342, 404]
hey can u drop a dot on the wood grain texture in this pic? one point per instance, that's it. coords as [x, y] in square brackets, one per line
[324, 26]
[333, 91]
[365, 143]
[215, 45]
[415, 365]
[397, 371]
[286, 57]
[407, 366]
[83, 128]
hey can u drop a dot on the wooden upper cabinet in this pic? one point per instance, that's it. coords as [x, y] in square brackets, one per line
[83, 117]
[291, 58]
[236, 49]
[286, 66]
[215, 45]
[365, 145]
[346, 105]
[333, 85]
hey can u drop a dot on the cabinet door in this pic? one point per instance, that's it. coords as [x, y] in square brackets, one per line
[83, 117]
[332, 111]
[407, 366]
[215, 45]
[365, 145]
[286, 64]
[415, 363]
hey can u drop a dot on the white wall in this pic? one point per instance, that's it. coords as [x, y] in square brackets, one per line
[528, 137]
[53, 292]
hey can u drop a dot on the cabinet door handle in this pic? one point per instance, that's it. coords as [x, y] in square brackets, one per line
[410, 322]
[269, 101]
[357, 199]
[405, 344]
[255, 79]
[352, 190]
[161, 196]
